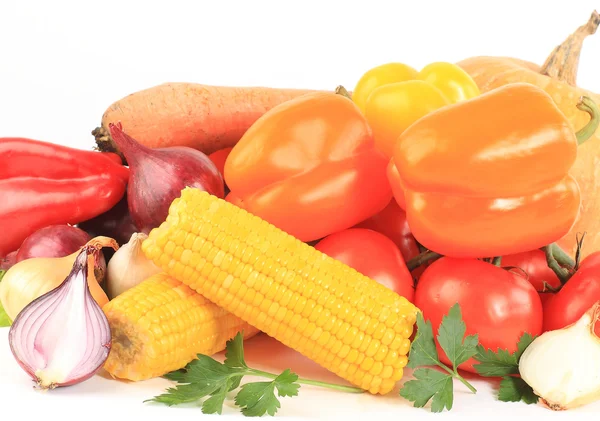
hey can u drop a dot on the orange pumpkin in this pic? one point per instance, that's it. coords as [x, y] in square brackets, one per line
[557, 76]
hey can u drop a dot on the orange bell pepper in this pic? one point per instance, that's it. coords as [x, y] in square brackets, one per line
[489, 176]
[309, 166]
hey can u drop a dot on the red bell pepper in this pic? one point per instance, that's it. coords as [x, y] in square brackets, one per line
[34, 158]
[43, 184]
[31, 203]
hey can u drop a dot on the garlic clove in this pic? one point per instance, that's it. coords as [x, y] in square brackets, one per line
[129, 266]
[563, 366]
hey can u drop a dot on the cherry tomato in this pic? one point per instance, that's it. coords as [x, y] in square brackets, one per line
[391, 108]
[496, 304]
[372, 254]
[379, 76]
[534, 264]
[452, 80]
[576, 297]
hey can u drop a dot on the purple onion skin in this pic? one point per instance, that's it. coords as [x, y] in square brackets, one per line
[53, 241]
[157, 177]
[115, 223]
[9, 260]
[58, 241]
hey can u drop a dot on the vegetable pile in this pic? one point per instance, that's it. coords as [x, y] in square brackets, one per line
[428, 224]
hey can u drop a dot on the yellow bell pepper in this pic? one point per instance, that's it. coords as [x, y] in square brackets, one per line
[393, 96]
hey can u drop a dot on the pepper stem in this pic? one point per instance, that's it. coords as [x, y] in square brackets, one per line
[421, 259]
[586, 104]
[497, 261]
[340, 90]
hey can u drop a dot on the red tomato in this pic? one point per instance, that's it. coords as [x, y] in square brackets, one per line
[576, 297]
[391, 222]
[496, 304]
[533, 263]
[372, 254]
[219, 157]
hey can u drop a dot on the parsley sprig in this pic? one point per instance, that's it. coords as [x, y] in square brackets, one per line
[431, 384]
[505, 364]
[207, 378]
[437, 386]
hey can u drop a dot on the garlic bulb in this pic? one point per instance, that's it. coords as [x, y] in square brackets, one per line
[129, 266]
[563, 366]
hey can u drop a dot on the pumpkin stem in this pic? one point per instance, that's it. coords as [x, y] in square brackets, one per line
[563, 62]
[586, 104]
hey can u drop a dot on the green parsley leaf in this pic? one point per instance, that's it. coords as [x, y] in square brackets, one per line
[286, 383]
[423, 350]
[176, 376]
[514, 389]
[4, 319]
[214, 404]
[429, 383]
[450, 337]
[257, 399]
[207, 378]
[434, 385]
[495, 364]
[503, 364]
[234, 352]
[184, 393]
[200, 378]
[524, 341]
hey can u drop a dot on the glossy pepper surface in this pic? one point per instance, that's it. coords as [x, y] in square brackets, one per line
[309, 167]
[24, 157]
[489, 176]
[44, 184]
[393, 96]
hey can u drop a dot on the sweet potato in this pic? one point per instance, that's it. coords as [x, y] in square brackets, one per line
[207, 118]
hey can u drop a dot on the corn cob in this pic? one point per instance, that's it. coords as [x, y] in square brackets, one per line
[161, 325]
[327, 311]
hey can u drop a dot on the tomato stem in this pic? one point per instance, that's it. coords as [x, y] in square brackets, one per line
[421, 259]
[562, 273]
[497, 261]
[562, 257]
[340, 90]
[579, 239]
[586, 104]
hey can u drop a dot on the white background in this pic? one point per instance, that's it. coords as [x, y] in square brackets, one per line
[63, 63]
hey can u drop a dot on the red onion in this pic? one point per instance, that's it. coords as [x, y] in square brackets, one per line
[157, 177]
[62, 337]
[9, 260]
[115, 223]
[59, 241]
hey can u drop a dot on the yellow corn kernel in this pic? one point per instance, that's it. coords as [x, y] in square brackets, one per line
[285, 277]
[161, 325]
